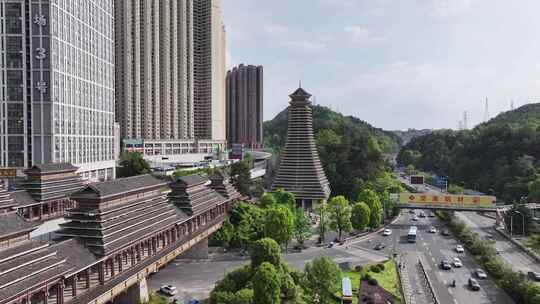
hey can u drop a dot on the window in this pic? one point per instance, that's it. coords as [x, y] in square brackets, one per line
[14, 85]
[15, 118]
[13, 18]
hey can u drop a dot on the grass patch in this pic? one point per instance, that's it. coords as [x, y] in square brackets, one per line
[388, 279]
[157, 299]
[532, 244]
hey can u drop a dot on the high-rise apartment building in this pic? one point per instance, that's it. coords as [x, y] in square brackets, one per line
[154, 69]
[245, 106]
[57, 101]
[209, 70]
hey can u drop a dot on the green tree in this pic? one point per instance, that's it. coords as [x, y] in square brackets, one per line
[302, 227]
[241, 176]
[410, 157]
[322, 212]
[322, 278]
[279, 224]
[534, 190]
[266, 285]
[285, 198]
[225, 234]
[410, 170]
[265, 250]
[131, 164]
[339, 212]
[267, 200]
[361, 215]
[373, 201]
[248, 221]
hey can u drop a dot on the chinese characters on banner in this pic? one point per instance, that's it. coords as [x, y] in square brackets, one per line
[447, 200]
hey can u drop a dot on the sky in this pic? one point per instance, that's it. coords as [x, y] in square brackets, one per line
[396, 64]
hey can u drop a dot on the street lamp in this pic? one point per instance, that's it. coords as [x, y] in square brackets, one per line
[522, 221]
[512, 222]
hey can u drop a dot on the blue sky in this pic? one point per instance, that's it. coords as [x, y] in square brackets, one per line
[397, 64]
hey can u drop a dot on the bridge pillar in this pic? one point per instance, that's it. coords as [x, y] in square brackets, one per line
[137, 293]
[197, 252]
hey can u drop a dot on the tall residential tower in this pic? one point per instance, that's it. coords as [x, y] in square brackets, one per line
[245, 106]
[209, 70]
[58, 85]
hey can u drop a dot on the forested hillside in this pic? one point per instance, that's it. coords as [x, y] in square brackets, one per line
[350, 149]
[501, 156]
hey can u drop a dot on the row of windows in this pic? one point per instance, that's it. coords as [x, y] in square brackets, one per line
[83, 149]
[97, 13]
[72, 91]
[78, 121]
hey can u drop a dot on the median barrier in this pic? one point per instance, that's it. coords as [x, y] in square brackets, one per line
[431, 289]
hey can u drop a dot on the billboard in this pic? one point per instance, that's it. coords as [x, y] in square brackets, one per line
[8, 172]
[417, 179]
[447, 200]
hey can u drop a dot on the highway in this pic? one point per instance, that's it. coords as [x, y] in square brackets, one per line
[432, 248]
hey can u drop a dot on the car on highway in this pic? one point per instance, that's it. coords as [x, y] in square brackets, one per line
[480, 274]
[380, 246]
[387, 232]
[457, 263]
[411, 211]
[459, 249]
[431, 214]
[422, 214]
[415, 218]
[432, 229]
[445, 232]
[168, 290]
[473, 284]
[445, 264]
[533, 275]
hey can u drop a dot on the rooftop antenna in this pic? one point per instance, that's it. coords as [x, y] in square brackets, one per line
[511, 105]
[299, 83]
[486, 111]
[465, 125]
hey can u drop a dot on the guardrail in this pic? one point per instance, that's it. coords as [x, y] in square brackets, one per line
[529, 252]
[431, 289]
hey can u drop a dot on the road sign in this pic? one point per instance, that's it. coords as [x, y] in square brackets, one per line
[417, 179]
[8, 172]
[447, 200]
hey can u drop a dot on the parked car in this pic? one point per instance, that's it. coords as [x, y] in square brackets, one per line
[380, 246]
[331, 244]
[431, 214]
[387, 232]
[457, 263]
[422, 214]
[445, 264]
[533, 275]
[445, 232]
[480, 273]
[432, 229]
[411, 211]
[168, 290]
[473, 284]
[459, 249]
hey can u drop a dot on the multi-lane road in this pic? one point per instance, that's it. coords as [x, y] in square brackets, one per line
[432, 248]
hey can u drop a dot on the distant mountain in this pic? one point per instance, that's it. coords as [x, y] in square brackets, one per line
[275, 130]
[351, 150]
[406, 136]
[501, 156]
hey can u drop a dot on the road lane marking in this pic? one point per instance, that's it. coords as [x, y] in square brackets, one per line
[455, 301]
[450, 291]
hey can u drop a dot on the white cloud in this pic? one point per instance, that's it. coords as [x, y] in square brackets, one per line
[307, 46]
[358, 33]
[275, 29]
[449, 8]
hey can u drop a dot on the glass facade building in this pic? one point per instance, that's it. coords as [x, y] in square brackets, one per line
[57, 97]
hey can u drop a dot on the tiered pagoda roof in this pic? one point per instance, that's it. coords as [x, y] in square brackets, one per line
[51, 181]
[114, 213]
[6, 201]
[11, 224]
[220, 182]
[300, 170]
[192, 196]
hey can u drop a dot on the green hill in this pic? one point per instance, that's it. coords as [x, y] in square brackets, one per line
[350, 149]
[501, 156]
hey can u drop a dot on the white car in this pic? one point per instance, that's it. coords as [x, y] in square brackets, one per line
[168, 290]
[457, 262]
[459, 249]
[387, 232]
[432, 230]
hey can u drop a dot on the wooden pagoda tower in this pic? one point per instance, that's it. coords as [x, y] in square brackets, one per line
[300, 171]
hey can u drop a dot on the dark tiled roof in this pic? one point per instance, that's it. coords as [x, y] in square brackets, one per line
[194, 198]
[12, 223]
[23, 198]
[221, 184]
[191, 180]
[52, 168]
[122, 186]
[300, 94]
[76, 254]
[9, 253]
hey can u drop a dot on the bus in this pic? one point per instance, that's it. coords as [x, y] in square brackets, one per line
[411, 236]
[346, 291]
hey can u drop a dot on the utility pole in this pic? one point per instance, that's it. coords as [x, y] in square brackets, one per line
[486, 111]
[511, 105]
[465, 124]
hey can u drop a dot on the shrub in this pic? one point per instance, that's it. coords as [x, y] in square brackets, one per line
[381, 266]
[374, 268]
[373, 281]
[358, 268]
[367, 277]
